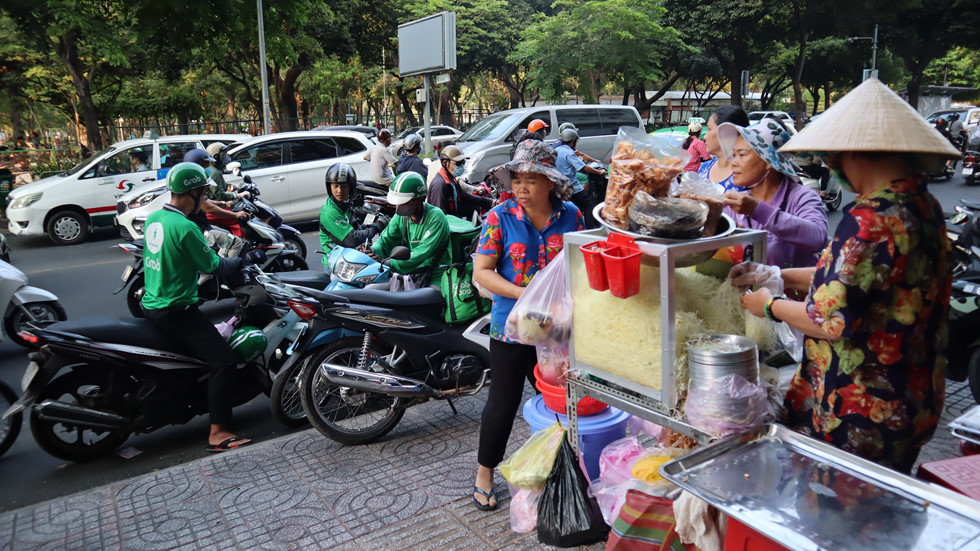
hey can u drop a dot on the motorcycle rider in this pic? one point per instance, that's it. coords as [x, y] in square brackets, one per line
[211, 205]
[381, 159]
[421, 227]
[175, 252]
[410, 156]
[446, 192]
[571, 165]
[338, 222]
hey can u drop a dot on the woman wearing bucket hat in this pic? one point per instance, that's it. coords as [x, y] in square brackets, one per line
[519, 238]
[773, 200]
[872, 377]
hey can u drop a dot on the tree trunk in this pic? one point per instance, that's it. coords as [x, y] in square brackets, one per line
[797, 86]
[67, 52]
[230, 105]
[16, 112]
[915, 82]
[406, 105]
[286, 96]
[643, 103]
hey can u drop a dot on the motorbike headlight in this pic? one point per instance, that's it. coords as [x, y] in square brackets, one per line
[25, 201]
[345, 271]
[145, 198]
[365, 279]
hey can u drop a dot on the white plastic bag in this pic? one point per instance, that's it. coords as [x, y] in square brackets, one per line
[727, 405]
[543, 314]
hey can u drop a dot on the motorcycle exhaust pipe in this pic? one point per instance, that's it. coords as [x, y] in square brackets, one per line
[60, 412]
[381, 383]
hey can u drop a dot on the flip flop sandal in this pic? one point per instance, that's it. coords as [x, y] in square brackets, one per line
[232, 443]
[489, 495]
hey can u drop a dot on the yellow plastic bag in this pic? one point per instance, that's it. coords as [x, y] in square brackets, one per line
[531, 464]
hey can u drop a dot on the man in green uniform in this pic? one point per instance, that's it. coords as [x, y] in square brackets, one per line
[421, 227]
[174, 254]
[338, 223]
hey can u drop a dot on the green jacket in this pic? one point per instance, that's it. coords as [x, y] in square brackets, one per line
[338, 222]
[428, 240]
[174, 254]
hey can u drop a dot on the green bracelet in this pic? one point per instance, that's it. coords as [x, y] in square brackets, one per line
[767, 309]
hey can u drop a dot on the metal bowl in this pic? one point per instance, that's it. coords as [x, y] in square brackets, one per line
[725, 228]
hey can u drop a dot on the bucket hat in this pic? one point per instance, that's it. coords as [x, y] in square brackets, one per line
[765, 138]
[539, 158]
[872, 118]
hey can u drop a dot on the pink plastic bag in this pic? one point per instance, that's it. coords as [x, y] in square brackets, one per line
[553, 363]
[618, 458]
[523, 509]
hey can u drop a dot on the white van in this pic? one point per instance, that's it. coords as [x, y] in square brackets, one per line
[488, 142]
[66, 207]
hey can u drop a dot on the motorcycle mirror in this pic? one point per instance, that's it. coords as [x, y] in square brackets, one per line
[400, 253]
[234, 167]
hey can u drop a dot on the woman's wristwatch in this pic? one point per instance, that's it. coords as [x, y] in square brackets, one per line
[767, 309]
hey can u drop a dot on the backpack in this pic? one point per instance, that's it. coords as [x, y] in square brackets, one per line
[463, 301]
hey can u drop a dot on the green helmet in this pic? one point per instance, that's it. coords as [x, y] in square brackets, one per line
[248, 343]
[407, 186]
[184, 177]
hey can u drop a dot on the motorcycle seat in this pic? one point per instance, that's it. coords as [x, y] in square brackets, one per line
[305, 278]
[133, 332]
[427, 296]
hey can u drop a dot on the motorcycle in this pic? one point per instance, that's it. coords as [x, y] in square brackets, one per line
[367, 355]
[971, 167]
[348, 268]
[9, 428]
[26, 306]
[817, 177]
[963, 361]
[259, 209]
[95, 381]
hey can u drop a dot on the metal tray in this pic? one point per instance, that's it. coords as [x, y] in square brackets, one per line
[967, 426]
[808, 495]
[725, 227]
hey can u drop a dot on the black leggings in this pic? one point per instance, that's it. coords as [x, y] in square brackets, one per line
[510, 364]
[191, 327]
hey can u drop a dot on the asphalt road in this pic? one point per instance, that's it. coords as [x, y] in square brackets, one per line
[84, 277]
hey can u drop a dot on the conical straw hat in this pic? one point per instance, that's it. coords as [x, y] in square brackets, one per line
[871, 118]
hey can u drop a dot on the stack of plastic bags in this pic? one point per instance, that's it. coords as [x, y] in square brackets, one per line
[626, 465]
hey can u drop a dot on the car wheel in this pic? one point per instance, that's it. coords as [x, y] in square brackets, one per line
[67, 227]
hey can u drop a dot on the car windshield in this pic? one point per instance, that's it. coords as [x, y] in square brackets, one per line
[407, 131]
[489, 128]
[87, 161]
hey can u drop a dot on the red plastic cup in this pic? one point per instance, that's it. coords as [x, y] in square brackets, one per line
[622, 271]
[594, 266]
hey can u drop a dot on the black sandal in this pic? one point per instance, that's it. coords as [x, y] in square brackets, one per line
[491, 495]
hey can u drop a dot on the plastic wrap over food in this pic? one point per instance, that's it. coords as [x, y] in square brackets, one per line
[727, 405]
[667, 217]
[694, 186]
[640, 163]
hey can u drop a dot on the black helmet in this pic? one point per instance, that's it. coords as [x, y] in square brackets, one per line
[341, 173]
[197, 156]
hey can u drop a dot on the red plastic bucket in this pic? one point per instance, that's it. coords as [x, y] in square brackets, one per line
[594, 266]
[622, 270]
[555, 398]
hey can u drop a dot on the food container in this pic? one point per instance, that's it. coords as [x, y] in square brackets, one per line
[720, 355]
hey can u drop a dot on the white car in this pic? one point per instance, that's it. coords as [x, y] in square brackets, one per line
[783, 116]
[288, 167]
[66, 207]
[441, 135]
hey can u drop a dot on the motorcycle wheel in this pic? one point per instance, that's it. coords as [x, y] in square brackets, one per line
[70, 442]
[288, 263]
[134, 296]
[45, 313]
[287, 405]
[973, 376]
[835, 204]
[295, 244]
[341, 413]
[10, 428]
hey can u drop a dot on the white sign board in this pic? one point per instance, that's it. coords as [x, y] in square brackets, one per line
[427, 45]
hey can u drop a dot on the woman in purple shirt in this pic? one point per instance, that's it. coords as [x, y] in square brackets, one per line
[773, 200]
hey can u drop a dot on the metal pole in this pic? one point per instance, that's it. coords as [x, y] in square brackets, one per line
[427, 116]
[874, 51]
[266, 129]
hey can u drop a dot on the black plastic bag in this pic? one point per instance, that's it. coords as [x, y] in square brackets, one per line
[567, 516]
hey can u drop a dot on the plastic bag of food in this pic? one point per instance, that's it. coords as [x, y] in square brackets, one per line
[523, 510]
[567, 516]
[617, 459]
[640, 163]
[694, 186]
[667, 217]
[727, 405]
[530, 465]
[543, 314]
[610, 492]
[553, 363]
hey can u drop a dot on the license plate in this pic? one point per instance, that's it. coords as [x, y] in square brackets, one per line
[25, 381]
[370, 218]
[127, 272]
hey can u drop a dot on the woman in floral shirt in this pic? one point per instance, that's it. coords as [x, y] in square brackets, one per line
[872, 377]
[520, 237]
